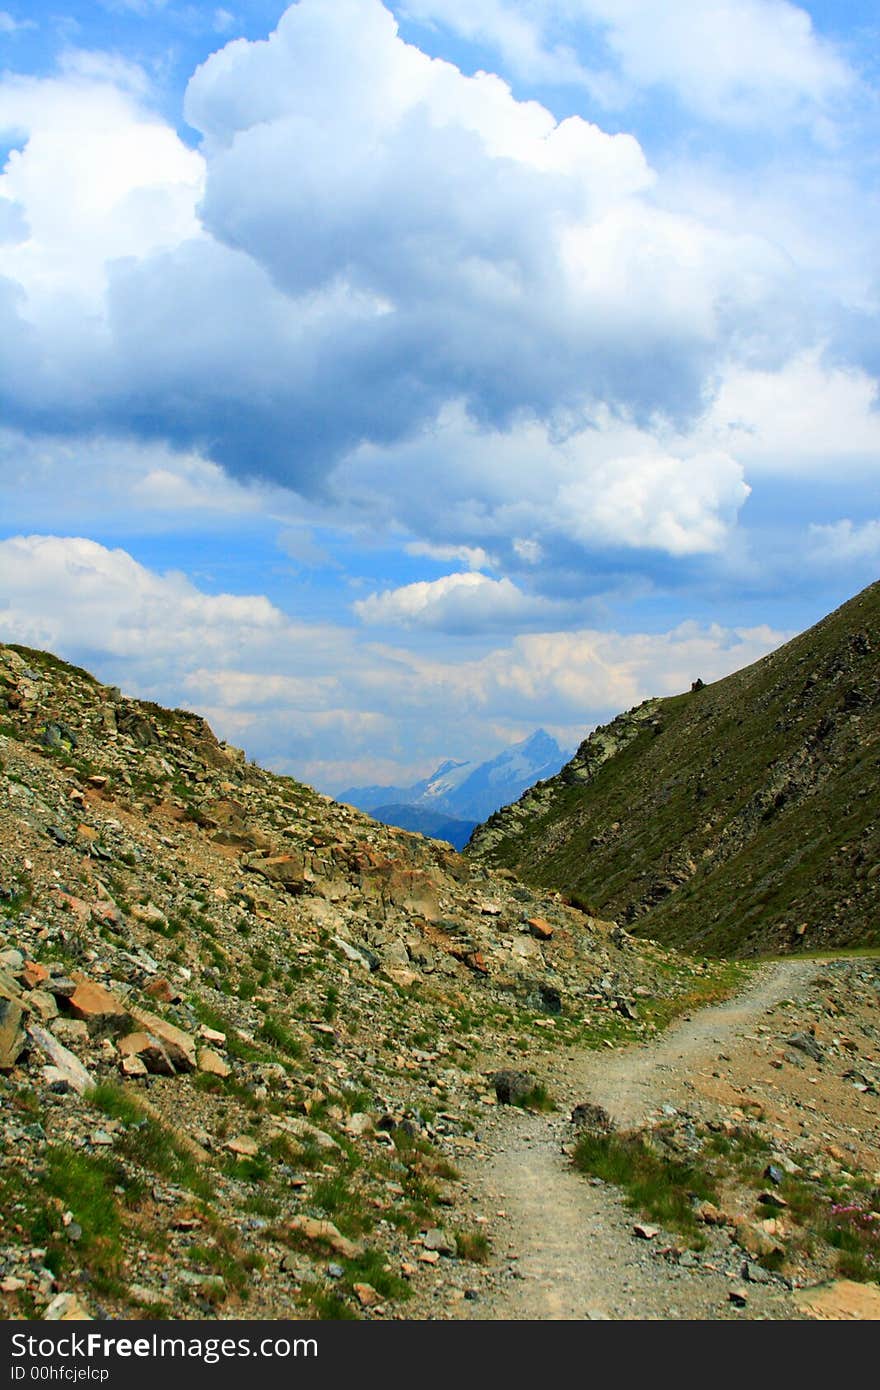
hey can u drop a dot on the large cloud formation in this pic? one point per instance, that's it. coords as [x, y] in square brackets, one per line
[370, 294]
[365, 238]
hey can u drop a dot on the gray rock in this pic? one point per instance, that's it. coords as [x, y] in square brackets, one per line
[512, 1087]
[592, 1119]
[61, 986]
[70, 1068]
[441, 1241]
[805, 1042]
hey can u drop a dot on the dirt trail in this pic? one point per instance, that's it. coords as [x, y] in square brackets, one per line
[566, 1245]
[631, 1083]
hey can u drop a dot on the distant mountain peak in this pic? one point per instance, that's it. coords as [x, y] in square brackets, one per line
[449, 765]
[466, 791]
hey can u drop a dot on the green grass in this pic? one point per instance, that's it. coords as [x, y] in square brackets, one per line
[662, 1189]
[421, 1156]
[538, 1098]
[148, 1143]
[281, 1038]
[21, 895]
[235, 1046]
[343, 1203]
[372, 1268]
[326, 1305]
[762, 781]
[723, 979]
[224, 1257]
[256, 1169]
[825, 1211]
[83, 1184]
[473, 1246]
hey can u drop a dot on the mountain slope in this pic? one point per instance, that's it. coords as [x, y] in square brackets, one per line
[462, 792]
[742, 816]
[243, 1028]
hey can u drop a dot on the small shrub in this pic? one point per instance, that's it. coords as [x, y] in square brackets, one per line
[326, 1305]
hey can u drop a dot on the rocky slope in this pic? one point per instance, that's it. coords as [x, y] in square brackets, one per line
[739, 817]
[243, 1028]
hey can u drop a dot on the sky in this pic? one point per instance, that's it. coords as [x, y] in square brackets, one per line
[385, 381]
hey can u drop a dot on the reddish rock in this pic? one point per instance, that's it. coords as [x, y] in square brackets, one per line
[33, 974]
[474, 961]
[841, 1300]
[160, 989]
[287, 870]
[69, 903]
[539, 929]
[150, 915]
[243, 1146]
[328, 1234]
[95, 1004]
[413, 891]
[212, 1035]
[106, 914]
[180, 1046]
[211, 1062]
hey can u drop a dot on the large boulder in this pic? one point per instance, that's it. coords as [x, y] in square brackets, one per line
[285, 870]
[512, 1087]
[179, 1046]
[63, 1065]
[12, 1036]
[96, 1006]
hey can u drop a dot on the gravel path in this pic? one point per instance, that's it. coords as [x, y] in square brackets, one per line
[564, 1246]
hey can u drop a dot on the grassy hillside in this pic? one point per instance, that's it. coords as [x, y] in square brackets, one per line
[740, 817]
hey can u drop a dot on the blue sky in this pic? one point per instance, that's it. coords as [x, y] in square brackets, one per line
[385, 381]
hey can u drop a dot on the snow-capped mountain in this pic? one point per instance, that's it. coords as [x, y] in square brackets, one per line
[465, 792]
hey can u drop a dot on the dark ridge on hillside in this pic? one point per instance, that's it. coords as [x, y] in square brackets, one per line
[431, 824]
[737, 818]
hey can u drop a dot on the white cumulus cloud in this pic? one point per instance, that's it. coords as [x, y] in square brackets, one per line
[845, 541]
[457, 602]
[322, 700]
[737, 62]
